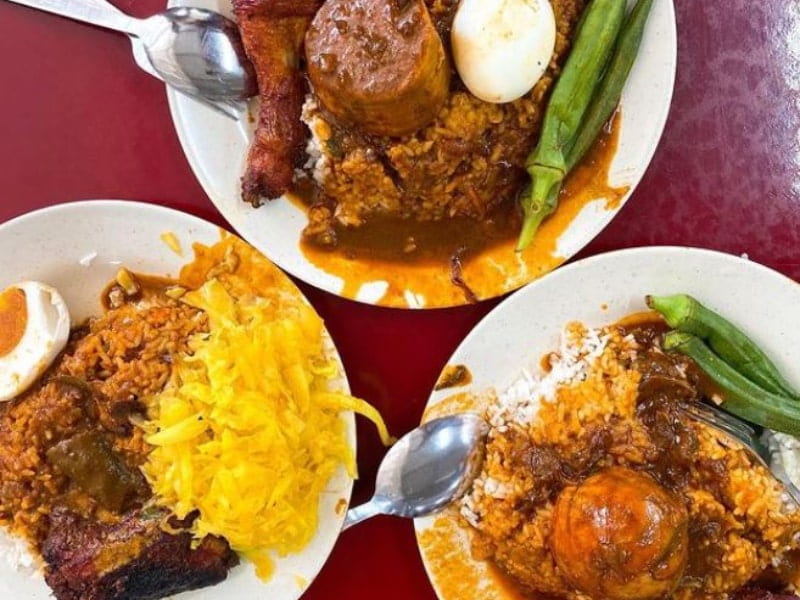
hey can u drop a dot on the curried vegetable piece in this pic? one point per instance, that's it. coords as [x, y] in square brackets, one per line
[93, 466]
[610, 90]
[684, 313]
[378, 65]
[547, 165]
[743, 398]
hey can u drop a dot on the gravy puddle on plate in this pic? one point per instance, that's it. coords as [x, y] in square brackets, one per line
[440, 263]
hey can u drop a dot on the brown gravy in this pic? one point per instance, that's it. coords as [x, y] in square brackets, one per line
[418, 256]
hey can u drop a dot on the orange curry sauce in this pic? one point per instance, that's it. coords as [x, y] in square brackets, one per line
[417, 258]
[453, 573]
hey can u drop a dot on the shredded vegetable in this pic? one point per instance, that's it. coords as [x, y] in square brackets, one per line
[249, 431]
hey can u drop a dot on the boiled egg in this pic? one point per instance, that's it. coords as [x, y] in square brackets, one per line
[34, 328]
[501, 48]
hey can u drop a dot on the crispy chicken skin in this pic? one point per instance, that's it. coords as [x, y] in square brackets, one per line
[133, 559]
[273, 32]
[620, 535]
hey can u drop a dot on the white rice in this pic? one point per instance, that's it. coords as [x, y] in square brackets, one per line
[520, 403]
[785, 450]
[14, 552]
[317, 161]
[87, 260]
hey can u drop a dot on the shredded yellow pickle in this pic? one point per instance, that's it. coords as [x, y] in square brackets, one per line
[249, 431]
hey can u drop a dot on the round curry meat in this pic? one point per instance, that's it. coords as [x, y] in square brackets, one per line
[378, 65]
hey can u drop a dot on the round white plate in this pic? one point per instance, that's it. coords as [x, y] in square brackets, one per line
[78, 248]
[216, 148]
[599, 291]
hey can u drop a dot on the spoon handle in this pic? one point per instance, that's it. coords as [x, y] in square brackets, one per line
[94, 13]
[361, 513]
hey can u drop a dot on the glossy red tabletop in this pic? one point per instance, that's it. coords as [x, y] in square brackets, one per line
[79, 120]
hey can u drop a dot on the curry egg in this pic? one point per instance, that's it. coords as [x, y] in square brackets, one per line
[34, 328]
[501, 48]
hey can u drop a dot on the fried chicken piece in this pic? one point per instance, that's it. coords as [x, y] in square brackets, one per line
[273, 32]
[133, 559]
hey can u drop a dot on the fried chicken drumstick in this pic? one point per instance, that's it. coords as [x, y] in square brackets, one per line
[273, 32]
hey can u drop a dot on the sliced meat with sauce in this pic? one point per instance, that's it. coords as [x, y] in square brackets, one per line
[91, 464]
[133, 559]
[378, 65]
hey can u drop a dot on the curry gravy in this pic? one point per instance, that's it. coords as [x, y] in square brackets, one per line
[428, 258]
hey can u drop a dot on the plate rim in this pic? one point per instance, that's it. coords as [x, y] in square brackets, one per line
[564, 271]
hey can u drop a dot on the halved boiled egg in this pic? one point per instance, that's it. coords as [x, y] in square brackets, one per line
[34, 328]
[502, 48]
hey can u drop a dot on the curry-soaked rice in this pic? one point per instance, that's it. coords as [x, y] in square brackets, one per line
[742, 527]
[465, 163]
[109, 370]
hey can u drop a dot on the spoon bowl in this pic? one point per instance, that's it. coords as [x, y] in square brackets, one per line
[427, 469]
[199, 52]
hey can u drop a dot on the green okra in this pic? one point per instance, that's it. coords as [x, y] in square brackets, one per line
[610, 90]
[743, 398]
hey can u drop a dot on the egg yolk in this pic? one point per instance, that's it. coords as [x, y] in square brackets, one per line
[13, 319]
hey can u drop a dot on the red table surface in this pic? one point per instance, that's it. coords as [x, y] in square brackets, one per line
[79, 120]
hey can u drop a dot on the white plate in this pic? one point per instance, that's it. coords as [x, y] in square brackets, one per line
[599, 291]
[216, 148]
[49, 245]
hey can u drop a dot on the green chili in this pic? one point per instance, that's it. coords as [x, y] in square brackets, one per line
[547, 164]
[610, 90]
[743, 398]
[684, 313]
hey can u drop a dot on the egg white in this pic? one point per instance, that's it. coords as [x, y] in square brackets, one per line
[46, 333]
[501, 48]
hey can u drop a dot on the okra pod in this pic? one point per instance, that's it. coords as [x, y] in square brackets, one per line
[610, 89]
[547, 164]
[684, 313]
[743, 398]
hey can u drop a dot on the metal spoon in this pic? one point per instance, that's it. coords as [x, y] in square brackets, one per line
[196, 51]
[427, 469]
[233, 109]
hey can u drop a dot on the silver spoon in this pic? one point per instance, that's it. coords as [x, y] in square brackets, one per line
[426, 469]
[196, 51]
[233, 109]
[139, 54]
